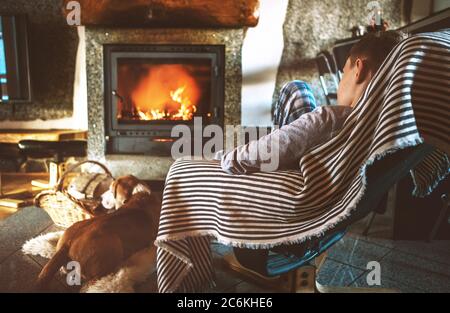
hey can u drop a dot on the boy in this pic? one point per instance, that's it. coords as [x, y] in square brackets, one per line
[302, 125]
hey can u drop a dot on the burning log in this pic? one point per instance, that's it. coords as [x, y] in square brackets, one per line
[168, 13]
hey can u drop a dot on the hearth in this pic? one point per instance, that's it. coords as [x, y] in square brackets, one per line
[151, 88]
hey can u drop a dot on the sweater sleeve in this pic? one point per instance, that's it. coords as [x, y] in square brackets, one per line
[283, 148]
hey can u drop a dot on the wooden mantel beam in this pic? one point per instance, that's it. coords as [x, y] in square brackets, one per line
[168, 13]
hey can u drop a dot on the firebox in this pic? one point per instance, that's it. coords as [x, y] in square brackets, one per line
[149, 89]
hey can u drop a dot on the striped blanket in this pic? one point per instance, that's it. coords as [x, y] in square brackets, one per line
[407, 103]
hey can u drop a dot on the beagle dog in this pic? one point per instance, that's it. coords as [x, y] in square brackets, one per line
[103, 243]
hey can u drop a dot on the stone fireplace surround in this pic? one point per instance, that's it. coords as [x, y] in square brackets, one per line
[144, 166]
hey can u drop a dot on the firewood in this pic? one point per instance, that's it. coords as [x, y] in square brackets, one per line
[14, 203]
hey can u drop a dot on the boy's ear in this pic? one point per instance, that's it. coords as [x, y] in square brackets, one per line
[362, 70]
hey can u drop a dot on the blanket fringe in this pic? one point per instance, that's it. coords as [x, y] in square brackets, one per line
[441, 173]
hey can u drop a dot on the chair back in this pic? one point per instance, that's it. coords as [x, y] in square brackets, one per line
[327, 69]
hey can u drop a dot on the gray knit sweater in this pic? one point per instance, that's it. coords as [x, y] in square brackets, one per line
[294, 140]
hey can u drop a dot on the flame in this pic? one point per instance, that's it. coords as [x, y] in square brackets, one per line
[168, 92]
[187, 109]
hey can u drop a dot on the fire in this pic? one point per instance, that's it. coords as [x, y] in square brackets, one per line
[187, 109]
[185, 112]
[168, 92]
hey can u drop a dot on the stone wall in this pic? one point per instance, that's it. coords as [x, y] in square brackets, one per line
[52, 47]
[312, 26]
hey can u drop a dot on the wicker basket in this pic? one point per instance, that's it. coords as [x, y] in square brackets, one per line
[63, 208]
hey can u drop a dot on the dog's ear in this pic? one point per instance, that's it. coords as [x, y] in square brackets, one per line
[141, 187]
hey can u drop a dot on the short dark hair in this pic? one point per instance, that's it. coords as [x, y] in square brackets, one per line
[375, 47]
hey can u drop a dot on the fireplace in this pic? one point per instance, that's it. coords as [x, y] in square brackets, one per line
[151, 88]
[140, 147]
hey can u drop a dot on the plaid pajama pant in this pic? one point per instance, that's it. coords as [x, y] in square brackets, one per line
[296, 98]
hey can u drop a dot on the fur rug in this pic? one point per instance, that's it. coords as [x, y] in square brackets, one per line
[134, 271]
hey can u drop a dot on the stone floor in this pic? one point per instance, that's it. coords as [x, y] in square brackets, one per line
[405, 265]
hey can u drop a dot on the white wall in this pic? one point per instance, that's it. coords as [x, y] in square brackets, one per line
[79, 119]
[261, 55]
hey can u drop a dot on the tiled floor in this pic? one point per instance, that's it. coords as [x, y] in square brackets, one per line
[405, 265]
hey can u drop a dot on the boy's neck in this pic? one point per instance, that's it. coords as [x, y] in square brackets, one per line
[360, 89]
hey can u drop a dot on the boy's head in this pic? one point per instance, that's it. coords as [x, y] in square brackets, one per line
[364, 60]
